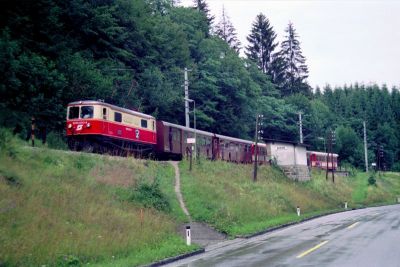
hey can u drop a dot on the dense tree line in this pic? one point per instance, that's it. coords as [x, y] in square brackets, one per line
[132, 53]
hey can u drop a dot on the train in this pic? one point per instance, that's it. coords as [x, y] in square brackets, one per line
[96, 126]
[316, 159]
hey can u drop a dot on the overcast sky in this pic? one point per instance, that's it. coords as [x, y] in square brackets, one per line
[343, 41]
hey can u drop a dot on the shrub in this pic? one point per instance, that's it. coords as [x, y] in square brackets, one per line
[56, 140]
[68, 260]
[7, 142]
[150, 196]
[372, 180]
[396, 167]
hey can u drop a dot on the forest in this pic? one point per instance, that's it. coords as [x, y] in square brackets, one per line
[132, 53]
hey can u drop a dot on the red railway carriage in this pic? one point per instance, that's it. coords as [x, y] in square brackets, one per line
[94, 125]
[319, 160]
[172, 141]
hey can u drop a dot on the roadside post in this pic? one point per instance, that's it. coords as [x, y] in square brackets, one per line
[188, 236]
[345, 205]
[298, 211]
[191, 141]
[33, 128]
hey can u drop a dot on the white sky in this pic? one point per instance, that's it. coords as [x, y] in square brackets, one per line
[343, 41]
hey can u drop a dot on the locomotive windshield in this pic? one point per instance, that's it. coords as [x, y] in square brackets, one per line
[73, 113]
[86, 112]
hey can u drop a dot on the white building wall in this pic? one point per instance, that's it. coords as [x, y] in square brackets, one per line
[288, 154]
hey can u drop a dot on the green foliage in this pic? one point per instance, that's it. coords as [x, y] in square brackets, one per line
[151, 196]
[68, 260]
[224, 195]
[8, 144]
[131, 53]
[349, 146]
[56, 140]
[372, 180]
[54, 214]
[261, 43]
[295, 70]
[396, 167]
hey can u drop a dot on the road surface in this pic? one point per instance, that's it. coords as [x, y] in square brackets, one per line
[367, 237]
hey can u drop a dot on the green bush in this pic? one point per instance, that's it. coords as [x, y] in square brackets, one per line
[68, 260]
[150, 196]
[372, 180]
[350, 169]
[396, 167]
[7, 142]
[56, 141]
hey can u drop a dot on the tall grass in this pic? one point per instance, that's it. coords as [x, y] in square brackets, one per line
[224, 195]
[62, 209]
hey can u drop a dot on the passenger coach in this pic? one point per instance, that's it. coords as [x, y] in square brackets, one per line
[172, 142]
[320, 160]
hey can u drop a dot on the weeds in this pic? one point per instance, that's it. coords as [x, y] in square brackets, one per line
[224, 195]
[55, 212]
[372, 180]
[150, 196]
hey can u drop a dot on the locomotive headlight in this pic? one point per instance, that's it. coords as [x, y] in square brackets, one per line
[69, 126]
[88, 125]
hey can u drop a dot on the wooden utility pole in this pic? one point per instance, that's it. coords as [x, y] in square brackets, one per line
[331, 140]
[327, 156]
[33, 127]
[300, 128]
[256, 137]
[365, 148]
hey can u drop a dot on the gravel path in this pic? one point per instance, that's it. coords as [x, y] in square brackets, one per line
[202, 233]
[178, 189]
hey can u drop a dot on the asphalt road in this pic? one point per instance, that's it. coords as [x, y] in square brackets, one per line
[360, 238]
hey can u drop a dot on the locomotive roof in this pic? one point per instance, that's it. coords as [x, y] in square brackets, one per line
[124, 110]
[321, 153]
[232, 139]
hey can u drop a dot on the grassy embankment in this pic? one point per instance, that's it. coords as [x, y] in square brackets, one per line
[66, 209]
[71, 209]
[223, 195]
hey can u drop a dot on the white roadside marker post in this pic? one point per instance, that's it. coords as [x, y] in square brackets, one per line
[345, 205]
[188, 236]
[298, 211]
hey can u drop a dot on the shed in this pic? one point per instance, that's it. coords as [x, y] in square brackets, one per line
[291, 157]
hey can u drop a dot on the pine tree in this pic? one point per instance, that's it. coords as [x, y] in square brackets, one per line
[278, 68]
[225, 30]
[262, 43]
[296, 71]
[202, 6]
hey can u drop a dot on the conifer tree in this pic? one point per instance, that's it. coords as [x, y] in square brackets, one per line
[296, 71]
[225, 30]
[278, 68]
[202, 6]
[262, 43]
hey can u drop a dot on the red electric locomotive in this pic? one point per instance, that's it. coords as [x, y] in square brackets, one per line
[101, 127]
